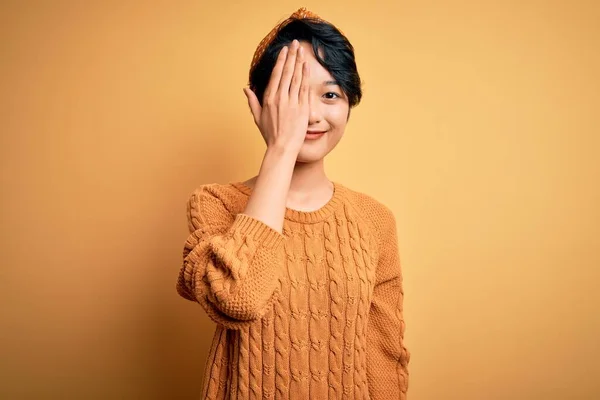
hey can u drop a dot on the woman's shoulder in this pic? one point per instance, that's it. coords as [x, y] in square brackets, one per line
[218, 190]
[373, 209]
[367, 201]
[216, 196]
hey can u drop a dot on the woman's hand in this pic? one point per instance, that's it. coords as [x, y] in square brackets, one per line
[283, 117]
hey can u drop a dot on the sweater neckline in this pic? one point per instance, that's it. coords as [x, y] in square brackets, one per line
[306, 217]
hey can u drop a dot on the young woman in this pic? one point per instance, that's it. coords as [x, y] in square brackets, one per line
[301, 274]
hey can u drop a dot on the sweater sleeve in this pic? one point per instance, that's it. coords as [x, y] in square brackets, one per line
[231, 263]
[387, 357]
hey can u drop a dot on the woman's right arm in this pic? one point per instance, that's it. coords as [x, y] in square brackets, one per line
[282, 120]
[231, 263]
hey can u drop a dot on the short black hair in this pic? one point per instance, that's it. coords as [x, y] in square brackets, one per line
[338, 58]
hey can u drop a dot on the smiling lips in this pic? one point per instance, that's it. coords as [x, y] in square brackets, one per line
[314, 134]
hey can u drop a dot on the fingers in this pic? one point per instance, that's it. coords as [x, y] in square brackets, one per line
[288, 70]
[255, 107]
[273, 84]
[297, 77]
[304, 86]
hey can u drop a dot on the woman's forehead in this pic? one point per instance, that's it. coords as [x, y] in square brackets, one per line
[308, 50]
[317, 72]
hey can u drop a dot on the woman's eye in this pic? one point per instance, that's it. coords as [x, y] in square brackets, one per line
[332, 93]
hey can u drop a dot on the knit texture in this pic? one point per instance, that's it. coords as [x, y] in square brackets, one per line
[313, 313]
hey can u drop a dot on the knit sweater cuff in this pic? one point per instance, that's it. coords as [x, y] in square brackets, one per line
[257, 230]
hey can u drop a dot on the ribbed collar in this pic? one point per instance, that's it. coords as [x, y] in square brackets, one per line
[307, 217]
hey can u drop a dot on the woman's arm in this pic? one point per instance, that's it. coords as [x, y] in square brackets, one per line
[387, 357]
[282, 120]
[231, 264]
[267, 201]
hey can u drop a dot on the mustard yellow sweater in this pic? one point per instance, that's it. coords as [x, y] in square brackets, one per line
[313, 313]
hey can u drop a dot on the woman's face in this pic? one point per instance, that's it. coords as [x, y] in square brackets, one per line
[328, 110]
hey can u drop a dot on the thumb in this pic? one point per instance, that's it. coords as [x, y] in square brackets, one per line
[255, 107]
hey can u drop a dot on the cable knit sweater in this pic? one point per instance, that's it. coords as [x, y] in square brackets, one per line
[313, 313]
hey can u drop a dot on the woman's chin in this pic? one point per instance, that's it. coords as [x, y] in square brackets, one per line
[308, 160]
[311, 155]
[315, 150]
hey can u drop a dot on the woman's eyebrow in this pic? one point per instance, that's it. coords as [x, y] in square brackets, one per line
[327, 83]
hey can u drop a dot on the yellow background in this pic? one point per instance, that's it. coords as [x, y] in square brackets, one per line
[478, 127]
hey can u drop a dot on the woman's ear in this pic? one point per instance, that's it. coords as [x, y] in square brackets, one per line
[254, 105]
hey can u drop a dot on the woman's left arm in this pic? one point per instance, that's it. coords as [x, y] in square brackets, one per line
[387, 357]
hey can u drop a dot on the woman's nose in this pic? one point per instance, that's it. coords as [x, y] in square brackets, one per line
[314, 106]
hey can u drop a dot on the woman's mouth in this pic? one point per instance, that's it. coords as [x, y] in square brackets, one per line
[311, 135]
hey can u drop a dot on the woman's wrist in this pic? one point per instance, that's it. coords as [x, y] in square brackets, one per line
[281, 151]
